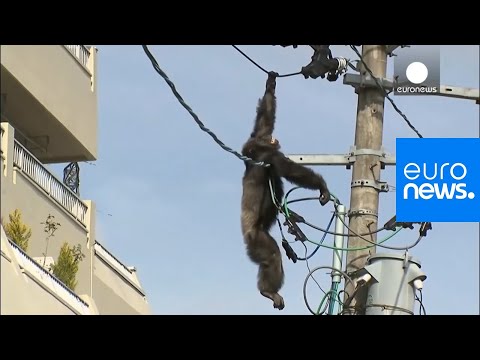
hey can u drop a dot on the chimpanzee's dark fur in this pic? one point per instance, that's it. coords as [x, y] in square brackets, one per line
[258, 211]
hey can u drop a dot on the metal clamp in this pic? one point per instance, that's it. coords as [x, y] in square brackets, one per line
[382, 154]
[357, 80]
[380, 186]
[385, 307]
[356, 212]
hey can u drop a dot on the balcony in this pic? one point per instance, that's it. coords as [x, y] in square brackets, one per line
[116, 286]
[23, 279]
[128, 274]
[53, 188]
[28, 186]
[81, 53]
[49, 95]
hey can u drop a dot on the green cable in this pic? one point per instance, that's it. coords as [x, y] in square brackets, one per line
[285, 205]
[285, 202]
[287, 213]
[323, 300]
[358, 248]
[331, 305]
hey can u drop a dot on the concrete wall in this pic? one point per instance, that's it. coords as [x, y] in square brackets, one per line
[63, 87]
[18, 291]
[114, 294]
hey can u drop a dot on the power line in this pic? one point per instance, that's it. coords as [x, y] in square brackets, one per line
[260, 67]
[195, 117]
[385, 92]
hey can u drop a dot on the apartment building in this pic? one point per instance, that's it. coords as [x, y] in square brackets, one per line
[49, 116]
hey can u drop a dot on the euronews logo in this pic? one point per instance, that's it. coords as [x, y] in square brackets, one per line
[417, 70]
[434, 185]
[438, 180]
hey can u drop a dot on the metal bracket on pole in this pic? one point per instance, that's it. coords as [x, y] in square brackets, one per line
[357, 80]
[459, 93]
[380, 186]
[342, 159]
[391, 48]
[319, 159]
[385, 159]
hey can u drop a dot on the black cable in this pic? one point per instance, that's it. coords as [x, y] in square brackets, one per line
[305, 289]
[308, 267]
[374, 243]
[316, 227]
[326, 230]
[280, 227]
[350, 298]
[195, 117]
[339, 234]
[320, 243]
[340, 301]
[420, 300]
[385, 92]
[261, 68]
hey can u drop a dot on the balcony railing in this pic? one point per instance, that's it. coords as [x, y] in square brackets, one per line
[58, 191]
[50, 281]
[80, 52]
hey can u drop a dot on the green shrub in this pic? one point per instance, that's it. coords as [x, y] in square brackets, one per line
[66, 267]
[17, 231]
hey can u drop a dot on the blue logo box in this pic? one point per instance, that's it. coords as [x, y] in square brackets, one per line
[438, 180]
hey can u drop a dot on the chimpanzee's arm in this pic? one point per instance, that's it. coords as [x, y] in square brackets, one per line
[265, 119]
[299, 175]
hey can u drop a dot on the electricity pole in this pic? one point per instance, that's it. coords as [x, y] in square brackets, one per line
[366, 185]
[367, 158]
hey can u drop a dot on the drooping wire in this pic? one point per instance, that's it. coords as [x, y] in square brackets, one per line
[195, 117]
[310, 274]
[349, 298]
[333, 293]
[285, 209]
[361, 247]
[379, 244]
[352, 233]
[388, 237]
[309, 270]
[320, 243]
[325, 294]
[261, 68]
[385, 92]
[329, 297]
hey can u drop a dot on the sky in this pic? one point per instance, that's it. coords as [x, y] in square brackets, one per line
[168, 197]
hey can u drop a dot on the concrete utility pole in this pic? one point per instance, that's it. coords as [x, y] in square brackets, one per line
[366, 185]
